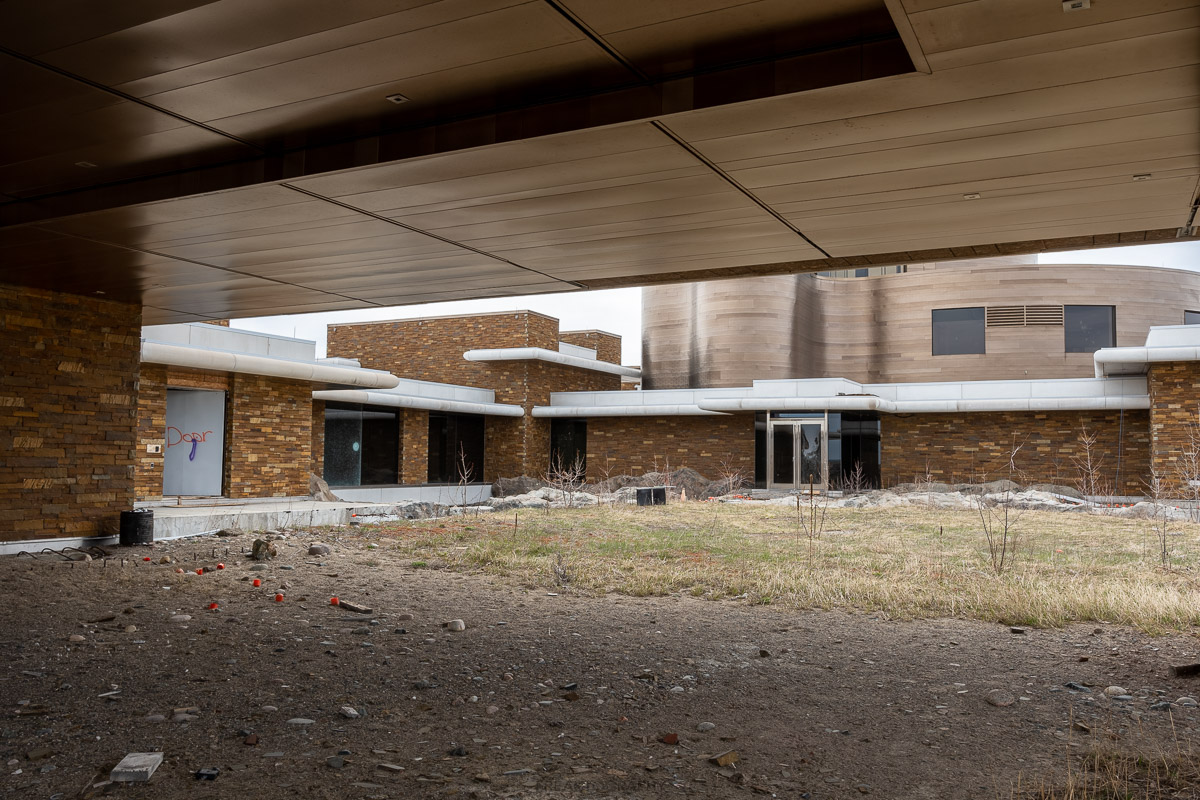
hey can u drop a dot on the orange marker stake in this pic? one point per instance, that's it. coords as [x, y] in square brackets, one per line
[257, 582]
[199, 570]
[145, 558]
[333, 601]
[220, 566]
[278, 598]
[212, 606]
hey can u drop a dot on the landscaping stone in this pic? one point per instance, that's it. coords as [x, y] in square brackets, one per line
[1000, 698]
[263, 550]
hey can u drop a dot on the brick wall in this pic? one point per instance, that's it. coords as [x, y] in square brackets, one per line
[318, 437]
[971, 447]
[606, 345]
[68, 412]
[153, 383]
[414, 446]
[432, 349]
[1174, 419]
[635, 445]
[269, 432]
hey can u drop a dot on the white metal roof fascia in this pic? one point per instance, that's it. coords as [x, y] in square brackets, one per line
[552, 357]
[1109, 403]
[625, 411]
[413, 401]
[1136, 360]
[225, 361]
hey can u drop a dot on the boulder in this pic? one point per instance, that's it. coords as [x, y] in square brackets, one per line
[522, 484]
[318, 489]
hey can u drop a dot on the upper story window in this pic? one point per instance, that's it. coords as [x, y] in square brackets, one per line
[1089, 328]
[1191, 318]
[958, 331]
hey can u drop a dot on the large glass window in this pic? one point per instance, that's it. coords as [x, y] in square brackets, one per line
[1191, 318]
[568, 444]
[362, 445]
[958, 331]
[455, 448]
[1088, 328]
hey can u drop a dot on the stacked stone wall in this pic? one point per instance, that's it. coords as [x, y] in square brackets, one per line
[1175, 423]
[269, 433]
[68, 413]
[973, 447]
[713, 446]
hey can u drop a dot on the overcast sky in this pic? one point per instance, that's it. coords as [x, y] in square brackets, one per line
[619, 311]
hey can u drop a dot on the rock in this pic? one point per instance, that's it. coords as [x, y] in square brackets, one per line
[404, 617]
[1079, 726]
[319, 549]
[136, 767]
[1077, 687]
[571, 697]
[75, 637]
[523, 484]
[251, 740]
[724, 759]
[456, 625]
[263, 550]
[228, 532]
[335, 762]
[269, 709]
[259, 568]
[348, 712]
[318, 489]
[346, 605]
[705, 727]
[1186, 702]
[1000, 698]
[763, 653]
[1185, 670]
[207, 773]
[458, 751]
[1162, 705]
[390, 767]
[1116, 691]
[156, 718]
[300, 721]
[863, 788]
[131, 628]
[425, 684]
[181, 618]
[1018, 630]
[39, 752]
[493, 709]
[669, 738]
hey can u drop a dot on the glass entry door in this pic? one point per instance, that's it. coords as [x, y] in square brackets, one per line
[796, 454]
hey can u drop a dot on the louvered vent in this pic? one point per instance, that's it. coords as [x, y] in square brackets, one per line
[1043, 315]
[1021, 316]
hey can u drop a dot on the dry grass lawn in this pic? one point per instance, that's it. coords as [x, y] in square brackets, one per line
[910, 562]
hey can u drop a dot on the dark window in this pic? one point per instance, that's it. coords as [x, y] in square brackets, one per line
[1088, 328]
[568, 444]
[1191, 318]
[861, 446]
[455, 448]
[361, 445]
[958, 331]
[760, 450]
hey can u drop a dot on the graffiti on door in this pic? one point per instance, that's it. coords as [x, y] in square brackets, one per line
[194, 438]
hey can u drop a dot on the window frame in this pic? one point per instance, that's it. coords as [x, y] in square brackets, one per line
[934, 330]
[1067, 331]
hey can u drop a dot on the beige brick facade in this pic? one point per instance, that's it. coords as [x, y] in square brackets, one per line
[68, 412]
[153, 383]
[957, 448]
[606, 345]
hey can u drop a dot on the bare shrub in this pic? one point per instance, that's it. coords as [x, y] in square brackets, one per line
[999, 519]
[852, 483]
[811, 518]
[1160, 517]
[1087, 466]
[1187, 471]
[566, 477]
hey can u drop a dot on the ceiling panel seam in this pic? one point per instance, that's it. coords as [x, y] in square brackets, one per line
[128, 98]
[728, 179]
[598, 40]
[160, 254]
[413, 229]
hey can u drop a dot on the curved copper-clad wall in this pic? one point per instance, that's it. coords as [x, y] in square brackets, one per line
[878, 329]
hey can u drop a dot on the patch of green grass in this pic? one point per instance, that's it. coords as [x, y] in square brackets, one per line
[906, 562]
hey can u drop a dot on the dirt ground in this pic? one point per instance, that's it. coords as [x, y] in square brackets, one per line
[544, 695]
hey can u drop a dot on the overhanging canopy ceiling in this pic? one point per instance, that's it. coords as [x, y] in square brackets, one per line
[233, 158]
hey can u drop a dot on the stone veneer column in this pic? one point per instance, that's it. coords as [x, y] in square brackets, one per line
[68, 412]
[269, 430]
[1174, 416]
[414, 446]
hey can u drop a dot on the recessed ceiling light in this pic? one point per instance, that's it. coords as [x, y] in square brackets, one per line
[396, 98]
[971, 196]
[1075, 5]
[84, 164]
[1142, 176]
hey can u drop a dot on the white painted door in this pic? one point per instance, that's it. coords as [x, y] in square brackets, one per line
[194, 455]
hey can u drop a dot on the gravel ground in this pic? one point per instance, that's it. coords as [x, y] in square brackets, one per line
[543, 695]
